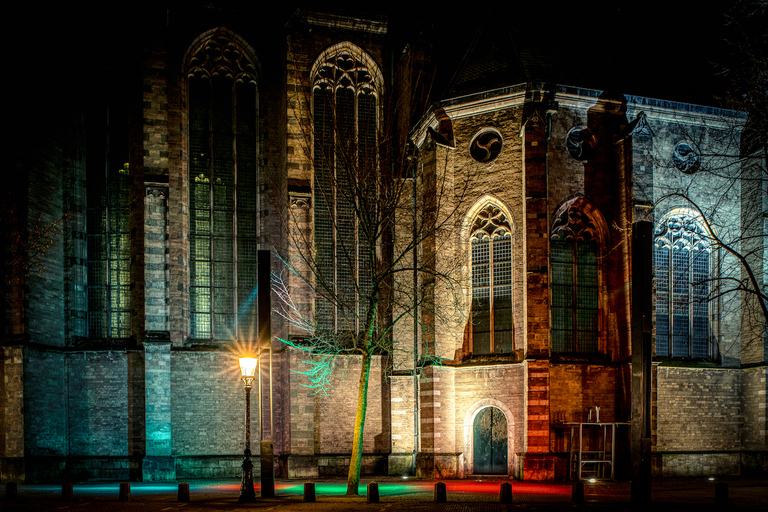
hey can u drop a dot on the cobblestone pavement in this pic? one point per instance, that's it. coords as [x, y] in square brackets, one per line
[678, 495]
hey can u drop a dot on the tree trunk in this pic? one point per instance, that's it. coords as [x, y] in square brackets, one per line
[355, 461]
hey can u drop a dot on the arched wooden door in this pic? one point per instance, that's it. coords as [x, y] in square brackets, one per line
[490, 442]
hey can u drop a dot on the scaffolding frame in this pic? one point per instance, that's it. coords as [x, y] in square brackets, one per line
[601, 459]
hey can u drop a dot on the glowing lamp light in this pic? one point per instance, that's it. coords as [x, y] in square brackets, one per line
[592, 480]
[247, 492]
[248, 369]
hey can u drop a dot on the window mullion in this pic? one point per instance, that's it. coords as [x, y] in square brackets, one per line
[108, 239]
[334, 210]
[211, 209]
[233, 241]
[491, 293]
[574, 298]
[355, 219]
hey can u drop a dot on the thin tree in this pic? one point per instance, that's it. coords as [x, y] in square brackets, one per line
[350, 272]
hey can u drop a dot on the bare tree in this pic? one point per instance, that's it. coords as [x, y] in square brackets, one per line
[25, 244]
[355, 270]
[718, 170]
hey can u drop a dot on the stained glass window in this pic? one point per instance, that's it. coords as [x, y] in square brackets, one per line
[574, 245]
[682, 259]
[223, 126]
[491, 242]
[345, 102]
[109, 256]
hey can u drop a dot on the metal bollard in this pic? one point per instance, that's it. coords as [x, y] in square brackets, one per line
[66, 491]
[125, 491]
[505, 492]
[183, 496]
[721, 493]
[440, 493]
[309, 492]
[11, 491]
[372, 496]
[577, 493]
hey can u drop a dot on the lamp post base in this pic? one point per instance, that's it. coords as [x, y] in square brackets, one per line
[247, 492]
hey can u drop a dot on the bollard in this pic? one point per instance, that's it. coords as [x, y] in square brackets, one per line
[373, 493]
[183, 496]
[125, 491]
[440, 494]
[11, 491]
[505, 492]
[721, 493]
[309, 492]
[577, 493]
[66, 491]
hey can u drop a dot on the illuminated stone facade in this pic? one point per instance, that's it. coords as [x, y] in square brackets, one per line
[118, 346]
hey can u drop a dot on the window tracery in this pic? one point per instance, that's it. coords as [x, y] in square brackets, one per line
[223, 129]
[345, 102]
[574, 244]
[683, 254]
[491, 246]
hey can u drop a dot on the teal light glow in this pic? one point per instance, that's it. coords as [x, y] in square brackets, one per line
[340, 489]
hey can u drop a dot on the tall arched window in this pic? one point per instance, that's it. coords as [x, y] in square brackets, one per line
[491, 238]
[109, 255]
[346, 88]
[223, 128]
[682, 259]
[574, 246]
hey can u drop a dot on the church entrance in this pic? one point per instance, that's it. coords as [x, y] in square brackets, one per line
[490, 442]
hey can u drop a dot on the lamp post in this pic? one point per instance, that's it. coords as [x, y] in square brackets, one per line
[248, 371]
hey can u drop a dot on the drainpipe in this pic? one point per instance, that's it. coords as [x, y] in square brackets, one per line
[415, 330]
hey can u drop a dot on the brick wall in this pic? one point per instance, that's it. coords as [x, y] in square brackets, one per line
[45, 403]
[208, 405]
[335, 412]
[574, 389]
[754, 432]
[98, 404]
[401, 389]
[12, 414]
[698, 421]
[207, 415]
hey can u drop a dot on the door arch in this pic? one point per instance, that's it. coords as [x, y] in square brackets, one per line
[489, 442]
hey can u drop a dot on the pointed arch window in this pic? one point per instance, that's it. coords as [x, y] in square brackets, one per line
[682, 260]
[574, 245]
[223, 127]
[346, 88]
[491, 241]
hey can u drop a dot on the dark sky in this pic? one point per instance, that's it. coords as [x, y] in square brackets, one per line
[652, 48]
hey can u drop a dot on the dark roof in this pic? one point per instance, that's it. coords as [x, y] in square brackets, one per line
[611, 47]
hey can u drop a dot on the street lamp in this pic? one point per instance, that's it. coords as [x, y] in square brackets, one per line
[248, 371]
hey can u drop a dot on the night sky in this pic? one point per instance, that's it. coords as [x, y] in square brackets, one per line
[653, 48]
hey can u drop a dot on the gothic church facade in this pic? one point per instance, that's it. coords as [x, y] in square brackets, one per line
[132, 231]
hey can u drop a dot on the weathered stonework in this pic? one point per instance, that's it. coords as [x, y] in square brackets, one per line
[157, 405]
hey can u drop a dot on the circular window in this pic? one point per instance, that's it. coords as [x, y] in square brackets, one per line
[580, 143]
[486, 145]
[685, 157]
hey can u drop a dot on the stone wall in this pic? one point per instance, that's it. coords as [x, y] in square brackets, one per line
[97, 414]
[699, 420]
[207, 412]
[754, 431]
[574, 389]
[12, 414]
[450, 398]
[401, 410]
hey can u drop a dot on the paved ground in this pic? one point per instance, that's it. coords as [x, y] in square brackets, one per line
[674, 495]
